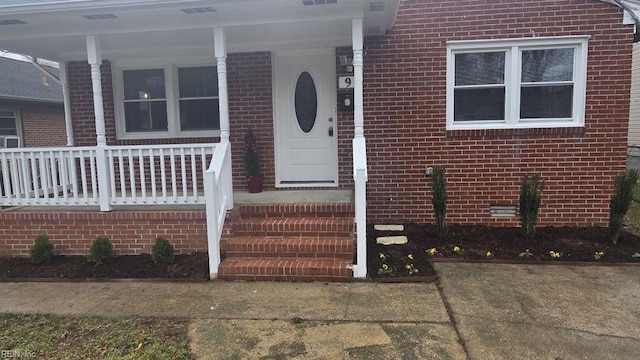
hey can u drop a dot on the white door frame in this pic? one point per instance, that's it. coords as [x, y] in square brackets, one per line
[277, 125]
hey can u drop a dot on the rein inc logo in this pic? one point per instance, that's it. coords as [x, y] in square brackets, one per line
[17, 354]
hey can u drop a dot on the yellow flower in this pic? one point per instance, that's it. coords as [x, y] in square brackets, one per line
[410, 256]
[432, 251]
[456, 249]
[489, 254]
[385, 266]
[408, 266]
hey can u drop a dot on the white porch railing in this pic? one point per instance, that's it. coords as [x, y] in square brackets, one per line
[219, 198]
[48, 176]
[154, 174]
[360, 179]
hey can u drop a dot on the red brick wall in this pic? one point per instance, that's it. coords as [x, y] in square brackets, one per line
[405, 115]
[130, 232]
[251, 106]
[43, 125]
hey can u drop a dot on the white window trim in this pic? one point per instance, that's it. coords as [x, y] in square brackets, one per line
[172, 98]
[18, 119]
[512, 89]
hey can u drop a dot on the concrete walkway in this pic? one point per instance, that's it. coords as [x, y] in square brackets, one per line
[476, 311]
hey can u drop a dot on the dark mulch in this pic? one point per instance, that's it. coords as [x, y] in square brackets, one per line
[189, 267]
[576, 245]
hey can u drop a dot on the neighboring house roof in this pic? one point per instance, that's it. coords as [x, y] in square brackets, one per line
[21, 80]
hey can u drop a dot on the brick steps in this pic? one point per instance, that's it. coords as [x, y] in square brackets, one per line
[285, 247]
[285, 269]
[299, 226]
[289, 242]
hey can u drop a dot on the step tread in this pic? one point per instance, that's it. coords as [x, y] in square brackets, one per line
[304, 247]
[297, 210]
[285, 269]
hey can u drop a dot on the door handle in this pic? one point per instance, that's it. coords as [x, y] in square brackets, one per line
[330, 131]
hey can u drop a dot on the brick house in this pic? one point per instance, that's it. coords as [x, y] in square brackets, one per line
[31, 106]
[162, 93]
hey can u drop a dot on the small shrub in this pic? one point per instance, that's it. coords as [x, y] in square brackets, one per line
[101, 251]
[439, 200]
[41, 250]
[162, 252]
[620, 201]
[530, 199]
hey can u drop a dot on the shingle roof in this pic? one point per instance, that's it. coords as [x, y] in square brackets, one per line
[21, 80]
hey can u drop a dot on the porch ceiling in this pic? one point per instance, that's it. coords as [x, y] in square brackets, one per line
[141, 28]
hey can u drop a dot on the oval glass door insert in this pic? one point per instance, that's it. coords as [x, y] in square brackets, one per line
[306, 102]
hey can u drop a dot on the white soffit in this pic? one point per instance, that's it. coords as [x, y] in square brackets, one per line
[56, 29]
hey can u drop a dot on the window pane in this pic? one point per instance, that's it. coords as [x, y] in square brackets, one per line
[143, 84]
[199, 115]
[146, 116]
[480, 68]
[199, 81]
[546, 102]
[547, 65]
[478, 104]
[8, 124]
[306, 102]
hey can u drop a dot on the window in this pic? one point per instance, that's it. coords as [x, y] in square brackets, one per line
[168, 101]
[522, 83]
[145, 103]
[8, 123]
[198, 88]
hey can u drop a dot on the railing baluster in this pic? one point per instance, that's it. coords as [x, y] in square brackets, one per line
[152, 172]
[112, 175]
[94, 176]
[174, 185]
[183, 165]
[194, 174]
[74, 175]
[83, 177]
[54, 175]
[44, 178]
[123, 186]
[24, 176]
[64, 176]
[143, 184]
[6, 178]
[36, 180]
[132, 176]
[163, 175]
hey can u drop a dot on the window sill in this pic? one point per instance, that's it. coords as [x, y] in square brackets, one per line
[518, 132]
[160, 136]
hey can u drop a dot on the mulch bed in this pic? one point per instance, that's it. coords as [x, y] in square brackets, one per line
[577, 245]
[193, 267]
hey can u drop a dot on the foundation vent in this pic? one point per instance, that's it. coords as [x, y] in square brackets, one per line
[376, 6]
[503, 211]
[11, 22]
[318, 2]
[199, 10]
[99, 16]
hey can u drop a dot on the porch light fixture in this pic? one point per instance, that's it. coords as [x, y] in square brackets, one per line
[12, 22]
[318, 2]
[99, 16]
[199, 10]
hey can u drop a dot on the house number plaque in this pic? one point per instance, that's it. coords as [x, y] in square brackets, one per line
[345, 82]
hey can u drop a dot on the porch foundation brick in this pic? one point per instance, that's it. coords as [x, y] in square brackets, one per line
[131, 232]
[289, 242]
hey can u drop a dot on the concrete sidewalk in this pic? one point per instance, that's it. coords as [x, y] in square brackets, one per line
[497, 312]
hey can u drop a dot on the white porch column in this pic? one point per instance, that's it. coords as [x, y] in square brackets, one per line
[359, 152]
[358, 109]
[94, 57]
[68, 121]
[220, 45]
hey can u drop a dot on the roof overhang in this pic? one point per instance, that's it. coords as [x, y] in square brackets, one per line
[148, 28]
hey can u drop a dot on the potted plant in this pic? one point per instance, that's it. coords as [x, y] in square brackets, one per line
[252, 163]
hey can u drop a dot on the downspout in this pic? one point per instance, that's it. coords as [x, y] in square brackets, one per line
[65, 95]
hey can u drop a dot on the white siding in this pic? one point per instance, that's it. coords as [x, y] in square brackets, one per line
[634, 110]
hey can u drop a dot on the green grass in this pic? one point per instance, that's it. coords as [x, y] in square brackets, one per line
[65, 337]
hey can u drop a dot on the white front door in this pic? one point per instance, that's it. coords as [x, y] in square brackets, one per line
[305, 120]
